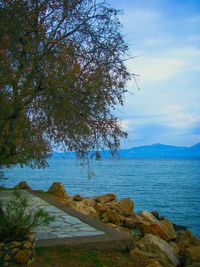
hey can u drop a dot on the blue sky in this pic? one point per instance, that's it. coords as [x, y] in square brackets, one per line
[164, 37]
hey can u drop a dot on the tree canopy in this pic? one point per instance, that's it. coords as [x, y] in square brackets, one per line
[62, 73]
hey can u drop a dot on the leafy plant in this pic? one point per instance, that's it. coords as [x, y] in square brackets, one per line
[16, 222]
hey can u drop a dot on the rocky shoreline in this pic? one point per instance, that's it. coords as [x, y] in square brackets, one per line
[157, 240]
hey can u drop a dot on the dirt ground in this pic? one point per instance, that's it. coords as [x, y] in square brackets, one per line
[73, 257]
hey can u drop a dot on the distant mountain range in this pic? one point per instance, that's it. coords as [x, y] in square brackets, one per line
[151, 151]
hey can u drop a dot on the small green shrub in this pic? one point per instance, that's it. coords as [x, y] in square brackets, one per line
[16, 222]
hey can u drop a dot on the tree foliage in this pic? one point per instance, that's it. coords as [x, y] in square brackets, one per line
[62, 73]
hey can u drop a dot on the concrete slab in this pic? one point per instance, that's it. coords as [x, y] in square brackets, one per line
[72, 228]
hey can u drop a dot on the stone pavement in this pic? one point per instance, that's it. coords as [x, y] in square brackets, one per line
[63, 225]
[70, 227]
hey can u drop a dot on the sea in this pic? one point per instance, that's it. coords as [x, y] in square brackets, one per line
[169, 186]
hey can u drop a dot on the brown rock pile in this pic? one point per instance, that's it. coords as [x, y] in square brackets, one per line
[157, 241]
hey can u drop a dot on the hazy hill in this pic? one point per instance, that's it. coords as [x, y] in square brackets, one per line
[151, 151]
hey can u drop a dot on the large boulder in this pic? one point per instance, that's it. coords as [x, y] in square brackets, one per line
[168, 227]
[147, 216]
[106, 198]
[155, 229]
[23, 185]
[127, 205]
[190, 255]
[83, 208]
[57, 189]
[77, 197]
[186, 239]
[89, 201]
[160, 248]
[100, 208]
[133, 222]
[113, 217]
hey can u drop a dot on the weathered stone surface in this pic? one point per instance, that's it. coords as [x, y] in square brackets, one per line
[130, 223]
[174, 246]
[106, 198]
[155, 245]
[113, 217]
[155, 229]
[127, 205]
[87, 210]
[194, 253]
[187, 239]
[89, 202]
[148, 216]
[77, 197]
[155, 214]
[58, 190]
[100, 208]
[168, 227]
[23, 185]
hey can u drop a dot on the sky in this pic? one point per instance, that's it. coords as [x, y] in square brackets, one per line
[164, 41]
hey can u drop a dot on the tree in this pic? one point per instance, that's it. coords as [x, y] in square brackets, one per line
[62, 73]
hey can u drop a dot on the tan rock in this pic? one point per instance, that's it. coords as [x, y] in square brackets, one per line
[87, 210]
[77, 197]
[113, 217]
[155, 229]
[58, 190]
[114, 226]
[106, 198]
[174, 246]
[155, 245]
[194, 252]
[132, 222]
[23, 185]
[100, 208]
[127, 205]
[168, 227]
[147, 216]
[187, 239]
[89, 202]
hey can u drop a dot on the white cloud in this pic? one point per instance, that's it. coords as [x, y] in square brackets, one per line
[177, 117]
[154, 69]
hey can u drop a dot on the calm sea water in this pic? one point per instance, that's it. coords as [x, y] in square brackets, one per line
[171, 187]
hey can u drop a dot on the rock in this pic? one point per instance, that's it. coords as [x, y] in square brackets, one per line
[191, 254]
[155, 245]
[174, 246]
[148, 216]
[168, 227]
[113, 217]
[155, 229]
[154, 263]
[106, 198]
[89, 202]
[83, 208]
[155, 214]
[127, 205]
[186, 239]
[77, 197]
[100, 208]
[178, 227]
[58, 190]
[23, 185]
[114, 226]
[132, 222]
